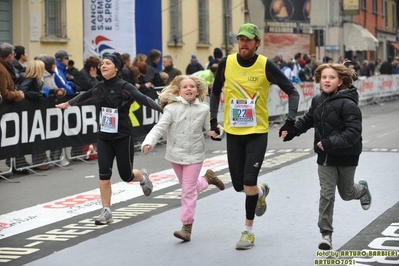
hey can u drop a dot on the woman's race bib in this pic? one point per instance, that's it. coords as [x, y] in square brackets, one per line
[109, 120]
[242, 113]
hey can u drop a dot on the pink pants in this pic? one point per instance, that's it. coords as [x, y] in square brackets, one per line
[191, 185]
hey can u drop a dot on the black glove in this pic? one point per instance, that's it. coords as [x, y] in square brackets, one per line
[214, 127]
[288, 126]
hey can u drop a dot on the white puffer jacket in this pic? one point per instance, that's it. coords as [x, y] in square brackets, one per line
[184, 123]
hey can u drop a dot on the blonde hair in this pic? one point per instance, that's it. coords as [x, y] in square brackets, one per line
[174, 88]
[35, 69]
[164, 76]
[344, 73]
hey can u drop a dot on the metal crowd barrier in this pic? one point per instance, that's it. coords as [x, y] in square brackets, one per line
[6, 172]
[80, 152]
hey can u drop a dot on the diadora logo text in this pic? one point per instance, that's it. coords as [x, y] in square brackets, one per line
[23, 132]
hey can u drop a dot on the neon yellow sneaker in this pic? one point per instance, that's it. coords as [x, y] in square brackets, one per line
[261, 204]
[247, 240]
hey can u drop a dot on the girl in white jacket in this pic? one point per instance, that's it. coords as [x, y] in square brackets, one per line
[184, 116]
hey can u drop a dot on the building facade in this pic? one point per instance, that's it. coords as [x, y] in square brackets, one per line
[366, 28]
[199, 26]
[43, 27]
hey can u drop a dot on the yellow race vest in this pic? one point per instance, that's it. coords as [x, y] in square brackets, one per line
[246, 91]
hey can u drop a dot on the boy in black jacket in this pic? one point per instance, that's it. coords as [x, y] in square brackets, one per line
[337, 121]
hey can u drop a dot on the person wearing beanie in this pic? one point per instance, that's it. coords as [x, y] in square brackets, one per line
[115, 135]
[246, 79]
[217, 56]
[194, 66]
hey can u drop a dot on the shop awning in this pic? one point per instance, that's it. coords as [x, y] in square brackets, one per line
[357, 38]
[395, 44]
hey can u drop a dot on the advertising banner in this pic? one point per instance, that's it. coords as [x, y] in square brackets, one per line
[37, 126]
[287, 24]
[109, 26]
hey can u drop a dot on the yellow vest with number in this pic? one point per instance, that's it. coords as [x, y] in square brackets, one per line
[246, 83]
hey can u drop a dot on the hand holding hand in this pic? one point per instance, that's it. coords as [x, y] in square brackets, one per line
[289, 128]
[320, 145]
[284, 134]
[215, 129]
[215, 136]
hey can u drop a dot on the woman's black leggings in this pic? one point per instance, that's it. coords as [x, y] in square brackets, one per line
[123, 150]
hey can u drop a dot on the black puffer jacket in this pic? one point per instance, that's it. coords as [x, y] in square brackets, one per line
[32, 88]
[337, 120]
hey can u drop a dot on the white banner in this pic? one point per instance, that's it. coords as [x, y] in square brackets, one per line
[109, 26]
[371, 90]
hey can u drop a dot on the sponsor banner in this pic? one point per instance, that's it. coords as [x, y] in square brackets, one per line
[109, 26]
[35, 126]
[287, 25]
[371, 89]
[286, 16]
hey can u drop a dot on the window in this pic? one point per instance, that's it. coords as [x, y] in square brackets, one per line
[227, 28]
[203, 21]
[55, 18]
[375, 6]
[386, 14]
[393, 16]
[363, 4]
[175, 22]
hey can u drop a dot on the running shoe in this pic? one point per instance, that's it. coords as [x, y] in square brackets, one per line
[247, 240]
[146, 184]
[105, 217]
[261, 204]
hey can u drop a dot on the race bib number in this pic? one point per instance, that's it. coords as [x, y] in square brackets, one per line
[109, 120]
[242, 113]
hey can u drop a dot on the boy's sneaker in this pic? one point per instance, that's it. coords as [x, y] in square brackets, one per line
[146, 184]
[246, 241]
[261, 204]
[104, 218]
[326, 243]
[365, 200]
